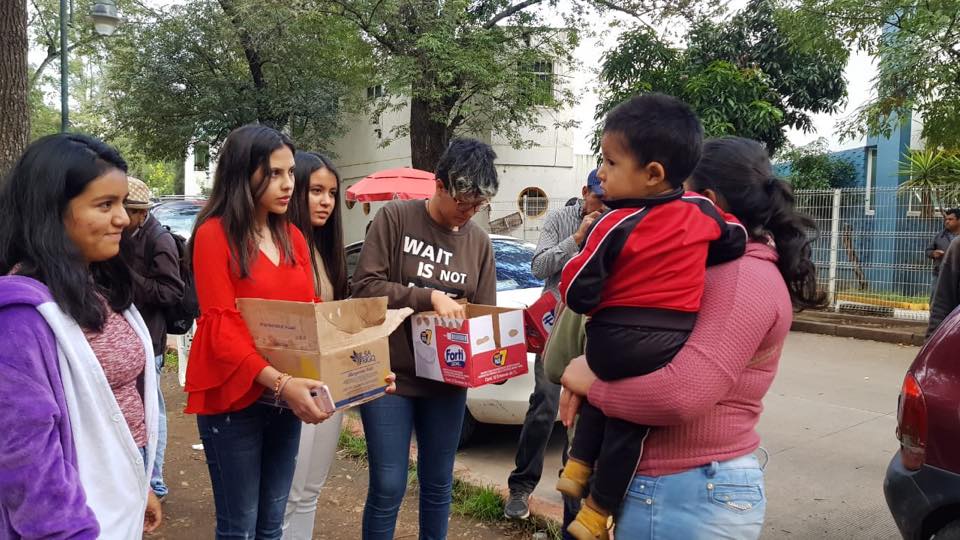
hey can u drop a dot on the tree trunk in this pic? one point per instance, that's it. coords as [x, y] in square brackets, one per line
[266, 113]
[15, 118]
[428, 137]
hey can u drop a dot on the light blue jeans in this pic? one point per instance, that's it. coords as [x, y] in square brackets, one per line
[720, 500]
[156, 477]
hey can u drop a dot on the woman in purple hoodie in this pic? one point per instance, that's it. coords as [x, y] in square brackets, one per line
[78, 394]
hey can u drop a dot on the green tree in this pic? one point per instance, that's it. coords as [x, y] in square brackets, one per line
[812, 167]
[935, 174]
[44, 119]
[86, 83]
[193, 73]
[919, 60]
[82, 39]
[744, 76]
[478, 66]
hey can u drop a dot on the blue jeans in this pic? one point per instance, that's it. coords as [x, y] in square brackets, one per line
[388, 424]
[156, 477]
[251, 454]
[719, 500]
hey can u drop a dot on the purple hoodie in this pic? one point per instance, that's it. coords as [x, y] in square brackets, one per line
[40, 491]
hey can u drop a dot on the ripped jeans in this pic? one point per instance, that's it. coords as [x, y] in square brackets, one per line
[251, 455]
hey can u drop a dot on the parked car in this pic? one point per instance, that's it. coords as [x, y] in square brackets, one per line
[516, 287]
[922, 484]
[179, 214]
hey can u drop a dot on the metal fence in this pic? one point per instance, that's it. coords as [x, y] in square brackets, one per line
[869, 247]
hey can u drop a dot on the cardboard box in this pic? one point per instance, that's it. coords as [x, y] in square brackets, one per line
[488, 347]
[539, 319]
[343, 344]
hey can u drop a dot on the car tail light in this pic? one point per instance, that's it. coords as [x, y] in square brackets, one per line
[912, 424]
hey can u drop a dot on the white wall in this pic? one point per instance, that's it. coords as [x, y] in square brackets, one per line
[916, 130]
[194, 182]
[549, 164]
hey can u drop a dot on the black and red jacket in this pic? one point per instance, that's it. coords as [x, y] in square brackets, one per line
[651, 253]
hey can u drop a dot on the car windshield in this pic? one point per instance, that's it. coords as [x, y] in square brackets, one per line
[179, 217]
[513, 265]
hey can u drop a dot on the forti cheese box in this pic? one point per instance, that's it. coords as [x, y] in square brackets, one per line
[344, 344]
[489, 346]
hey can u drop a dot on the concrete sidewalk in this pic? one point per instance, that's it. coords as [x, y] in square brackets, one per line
[828, 425]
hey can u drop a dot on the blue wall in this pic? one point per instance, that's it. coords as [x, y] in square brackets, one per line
[883, 250]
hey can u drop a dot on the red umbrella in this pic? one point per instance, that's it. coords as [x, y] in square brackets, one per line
[403, 183]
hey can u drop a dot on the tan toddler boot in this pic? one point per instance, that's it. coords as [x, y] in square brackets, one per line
[591, 524]
[573, 480]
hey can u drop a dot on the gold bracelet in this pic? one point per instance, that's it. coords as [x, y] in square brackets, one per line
[280, 390]
[278, 387]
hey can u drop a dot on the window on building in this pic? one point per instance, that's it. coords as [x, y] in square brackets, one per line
[870, 180]
[374, 92]
[201, 157]
[533, 202]
[542, 71]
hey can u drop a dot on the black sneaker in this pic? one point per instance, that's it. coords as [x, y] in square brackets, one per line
[517, 506]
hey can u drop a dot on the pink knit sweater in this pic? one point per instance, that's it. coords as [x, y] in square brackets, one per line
[705, 404]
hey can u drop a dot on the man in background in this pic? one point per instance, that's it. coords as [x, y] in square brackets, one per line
[938, 246]
[562, 234]
[946, 292]
[151, 252]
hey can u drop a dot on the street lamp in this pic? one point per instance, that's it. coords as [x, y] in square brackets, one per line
[105, 18]
[105, 21]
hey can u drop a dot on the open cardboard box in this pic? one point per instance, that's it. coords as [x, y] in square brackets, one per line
[344, 344]
[489, 346]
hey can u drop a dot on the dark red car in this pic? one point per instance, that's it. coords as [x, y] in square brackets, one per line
[922, 485]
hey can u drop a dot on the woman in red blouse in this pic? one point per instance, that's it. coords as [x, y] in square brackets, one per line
[243, 247]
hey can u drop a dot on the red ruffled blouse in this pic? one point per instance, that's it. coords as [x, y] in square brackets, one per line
[224, 363]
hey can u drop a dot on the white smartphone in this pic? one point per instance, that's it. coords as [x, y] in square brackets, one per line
[324, 399]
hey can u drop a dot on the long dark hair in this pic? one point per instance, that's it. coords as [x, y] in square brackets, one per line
[738, 171]
[234, 198]
[33, 240]
[326, 240]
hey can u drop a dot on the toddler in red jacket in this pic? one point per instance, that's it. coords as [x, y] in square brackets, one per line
[639, 276]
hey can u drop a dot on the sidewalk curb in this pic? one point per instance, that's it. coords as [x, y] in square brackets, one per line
[539, 508]
[858, 332]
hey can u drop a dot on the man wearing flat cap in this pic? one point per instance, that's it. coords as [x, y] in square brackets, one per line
[151, 252]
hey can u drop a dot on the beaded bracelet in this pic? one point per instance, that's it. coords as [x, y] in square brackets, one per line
[282, 381]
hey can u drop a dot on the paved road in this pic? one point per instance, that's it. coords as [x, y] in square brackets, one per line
[828, 425]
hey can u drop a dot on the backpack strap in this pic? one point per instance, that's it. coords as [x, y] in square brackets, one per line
[150, 249]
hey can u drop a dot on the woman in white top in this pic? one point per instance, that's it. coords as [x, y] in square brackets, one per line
[314, 210]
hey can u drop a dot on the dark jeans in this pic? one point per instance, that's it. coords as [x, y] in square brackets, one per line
[536, 431]
[251, 455]
[613, 446]
[534, 436]
[388, 424]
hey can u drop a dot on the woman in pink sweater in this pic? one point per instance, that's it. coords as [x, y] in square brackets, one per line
[699, 477]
